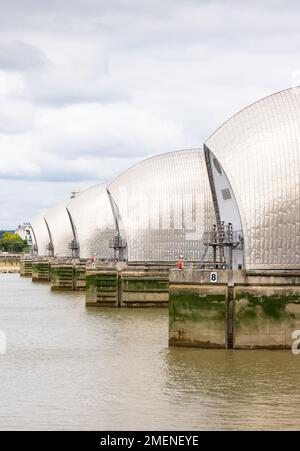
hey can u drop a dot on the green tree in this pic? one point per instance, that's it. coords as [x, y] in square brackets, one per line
[13, 243]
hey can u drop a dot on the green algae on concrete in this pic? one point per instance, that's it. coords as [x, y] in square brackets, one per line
[145, 285]
[26, 267]
[62, 277]
[130, 287]
[145, 288]
[262, 308]
[68, 276]
[80, 273]
[40, 271]
[101, 288]
[197, 316]
[265, 317]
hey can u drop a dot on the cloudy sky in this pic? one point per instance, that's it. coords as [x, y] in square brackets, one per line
[88, 87]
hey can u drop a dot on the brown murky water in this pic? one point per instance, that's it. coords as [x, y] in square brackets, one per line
[68, 367]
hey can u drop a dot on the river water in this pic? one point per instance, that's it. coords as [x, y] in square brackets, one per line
[67, 367]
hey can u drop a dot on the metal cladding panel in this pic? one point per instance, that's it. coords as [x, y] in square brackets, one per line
[40, 235]
[259, 149]
[60, 229]
[165, 206]
[94, 223]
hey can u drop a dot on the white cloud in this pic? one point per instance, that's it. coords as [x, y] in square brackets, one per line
[107, 130]
[16, 116]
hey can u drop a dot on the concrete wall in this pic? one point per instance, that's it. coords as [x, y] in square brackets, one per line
[147, 288]
[265, 309]
[197, 316]
[266, 316]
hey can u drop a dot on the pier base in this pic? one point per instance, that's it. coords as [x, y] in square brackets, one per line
[80, 273]
[145, 287]
[26, 267]
[234, 310]
[101, 287]
[67, 275]
[129, 286]
[41, 270]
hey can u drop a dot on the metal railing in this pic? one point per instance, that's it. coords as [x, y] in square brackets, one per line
[223, 237]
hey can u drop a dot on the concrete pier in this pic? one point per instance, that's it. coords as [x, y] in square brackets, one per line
[41, 270]
[80, 273]
[127, 286]
[234, 309]
[26, 266]
[68, 275]
[145, 287]
[62, 276]
[102, 287]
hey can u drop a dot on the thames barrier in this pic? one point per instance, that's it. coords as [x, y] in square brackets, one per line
[229, 211]
[149, 219]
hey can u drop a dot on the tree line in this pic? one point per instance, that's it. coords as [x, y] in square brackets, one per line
[13, 243]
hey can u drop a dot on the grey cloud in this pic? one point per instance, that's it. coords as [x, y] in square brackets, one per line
[56, 13]
[60, 91]
[21, 56]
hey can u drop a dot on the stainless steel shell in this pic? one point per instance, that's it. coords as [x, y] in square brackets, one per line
[165, 205]
[40, 235]
[93, 221]
[60, 230]
[259, 149]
